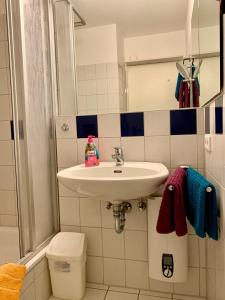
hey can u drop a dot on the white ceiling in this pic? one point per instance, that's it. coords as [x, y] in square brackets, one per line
[142, 17]
[135, 17]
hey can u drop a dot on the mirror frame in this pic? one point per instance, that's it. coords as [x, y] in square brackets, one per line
[221, 92]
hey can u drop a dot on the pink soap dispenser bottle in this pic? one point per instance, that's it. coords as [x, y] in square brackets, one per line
[91, 153]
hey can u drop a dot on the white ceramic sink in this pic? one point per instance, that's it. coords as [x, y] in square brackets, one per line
[110, 182]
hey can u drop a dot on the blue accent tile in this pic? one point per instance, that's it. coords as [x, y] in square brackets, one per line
[132, 124]
[219, 120]
[207, 120]
[87, 125]
[183, 122]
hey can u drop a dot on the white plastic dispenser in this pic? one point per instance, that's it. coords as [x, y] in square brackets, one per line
[168, 253]
[66, 255]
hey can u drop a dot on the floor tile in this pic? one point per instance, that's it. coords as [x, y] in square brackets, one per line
[144, 297]
[123, 290]
[94, 294]
[120, 296]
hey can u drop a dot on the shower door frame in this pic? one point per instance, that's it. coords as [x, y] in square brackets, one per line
[26, 212]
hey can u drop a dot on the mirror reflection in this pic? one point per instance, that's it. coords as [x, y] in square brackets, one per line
[138, 59]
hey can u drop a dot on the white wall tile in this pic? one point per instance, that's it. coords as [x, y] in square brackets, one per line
[3, 27]
[157, 285]
[112, 70]
[114, 271]
[8, 203]
[220, 279]
[90, 72]
[29, 293]
[136, 245]
[6, 108]
[106, 148]
[5, 130]
[90, 212]
[7, 153]
[211, 284]
[113, 102]
[102, 101]
[191, 287]
[2, 7]
[193, 251]
[107, 216]
[66, 152]
[81, 87]
[81, 103]
[200, 121]
[101, 71]
[137, 274]
[71, 122]
[9, 220]
[94, 240]
[5, 82]
[102, 86]
[95, 269]
[91, 87]
[113, 85]
[69, 211]
[7, 178]
[69, 228]
[81, 75]
[157, 122]
[157, 149]
[28, 280]
[203, 282]
[133, 148]
[4, 55]
[183, 150]
[92, 105]
[201, 152]
[136, 220]
[43, 286]
[109, 125]
[113, 243]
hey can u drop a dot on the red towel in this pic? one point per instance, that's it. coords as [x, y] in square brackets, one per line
[172, 214]
[184, 95]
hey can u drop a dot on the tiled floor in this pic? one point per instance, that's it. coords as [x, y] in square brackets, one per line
[103, 292]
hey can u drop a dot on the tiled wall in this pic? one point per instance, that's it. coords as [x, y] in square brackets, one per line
[215, 171]
[8, 205]
[100, 88]
[172, 137]
[37, 284]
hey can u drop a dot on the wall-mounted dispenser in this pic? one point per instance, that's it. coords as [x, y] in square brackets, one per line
[168, 254]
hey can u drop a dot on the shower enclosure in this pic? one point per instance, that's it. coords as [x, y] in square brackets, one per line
[28, 190]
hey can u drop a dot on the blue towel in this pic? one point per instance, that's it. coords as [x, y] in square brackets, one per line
[201, 205]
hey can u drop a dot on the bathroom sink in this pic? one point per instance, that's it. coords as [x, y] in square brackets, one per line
[110, 182]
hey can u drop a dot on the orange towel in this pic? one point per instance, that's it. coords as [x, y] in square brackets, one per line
[11, 281]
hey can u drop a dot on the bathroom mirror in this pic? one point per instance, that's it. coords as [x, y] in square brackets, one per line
[108, 63]
[207, 47]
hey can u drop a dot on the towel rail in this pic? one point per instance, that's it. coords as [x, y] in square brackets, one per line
[171, 188]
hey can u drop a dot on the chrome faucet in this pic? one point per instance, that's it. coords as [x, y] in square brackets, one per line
[118, 156]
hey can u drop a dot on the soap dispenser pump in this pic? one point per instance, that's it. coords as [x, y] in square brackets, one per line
[91, 153]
